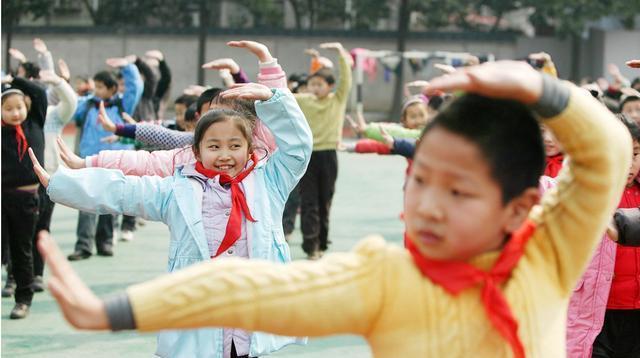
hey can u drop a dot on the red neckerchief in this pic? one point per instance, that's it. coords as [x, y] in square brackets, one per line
[554, 164]
[238, 202]
[455, 276]
[21, 139]
[630, 196]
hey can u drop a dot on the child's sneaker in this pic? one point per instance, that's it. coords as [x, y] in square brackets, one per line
[9, 288]
[19, 311]
[126, 235]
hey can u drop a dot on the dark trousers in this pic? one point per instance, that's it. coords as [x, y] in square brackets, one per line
[291, 211]
[19, 217]
[44, 223]
[316, 192]
[620, 335]
[128, 223]
[93, 226]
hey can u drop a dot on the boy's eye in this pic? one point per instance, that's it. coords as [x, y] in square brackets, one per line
[458, 193]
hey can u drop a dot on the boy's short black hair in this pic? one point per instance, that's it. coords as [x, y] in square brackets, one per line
[106, 78]
[324, 73]
[190, 113]
[206, 97]
[31, 70]
[631, 125]
[507, 134]
[186, 99]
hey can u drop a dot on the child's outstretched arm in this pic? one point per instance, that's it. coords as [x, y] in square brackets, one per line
[343, 88]
[106, 191]
[346, 291]
[284, 118]
[66, 107]
[132, 81]
[572, 217]
[271, 74]
[374, 131]
[140, 162]
[147, 133]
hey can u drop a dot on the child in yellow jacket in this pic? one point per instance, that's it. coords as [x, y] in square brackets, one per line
[489, 270]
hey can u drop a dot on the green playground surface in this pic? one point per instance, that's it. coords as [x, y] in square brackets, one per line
[368, 200]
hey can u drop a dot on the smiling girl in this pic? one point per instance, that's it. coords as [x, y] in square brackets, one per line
[228, 203]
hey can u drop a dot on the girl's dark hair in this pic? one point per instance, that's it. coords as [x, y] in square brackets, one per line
[220, 115]
[631, 125]
[506, 133]
[107, 78]
[244, 107]
[326, 74]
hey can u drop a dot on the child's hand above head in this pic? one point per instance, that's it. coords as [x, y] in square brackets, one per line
[117, 62]
[42, 174]
[336, 46]
[7, 78]
[39, 45]
[104, 119]
[248, 91]
[79, 305]
[503, 79]
[223, 64]
[312, 52]
[258, 49]
[18, 55]
[633, 63]
[70, 159]
[49, 77]
[64, 70]
[155, 54]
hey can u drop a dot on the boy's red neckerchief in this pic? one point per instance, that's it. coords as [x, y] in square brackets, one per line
[553, 165]
[455, 276]
[238, 202]
[21, 139]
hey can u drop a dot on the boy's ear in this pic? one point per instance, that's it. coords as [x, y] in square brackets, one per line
[518, 209]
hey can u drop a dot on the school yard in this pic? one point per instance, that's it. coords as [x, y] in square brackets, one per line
[368, 200]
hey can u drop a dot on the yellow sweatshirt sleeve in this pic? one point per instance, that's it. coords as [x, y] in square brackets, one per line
[572, 217]
[344, 82]
[338, 294]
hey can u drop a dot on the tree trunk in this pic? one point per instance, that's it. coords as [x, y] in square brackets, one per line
[403, 29]
[494, 28]
[296, 13]
[312, 14]
[576, 47]
[202, 40]
[92, 12]
[7, 57]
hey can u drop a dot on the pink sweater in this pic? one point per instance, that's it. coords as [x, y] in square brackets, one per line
[164, 162]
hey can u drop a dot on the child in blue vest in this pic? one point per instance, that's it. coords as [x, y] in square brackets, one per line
[229, 203]
[92, 142]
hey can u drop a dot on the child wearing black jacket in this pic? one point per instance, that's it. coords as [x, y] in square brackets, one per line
[24, 107]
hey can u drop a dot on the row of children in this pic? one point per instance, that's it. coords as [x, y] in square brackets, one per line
[462, 171]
